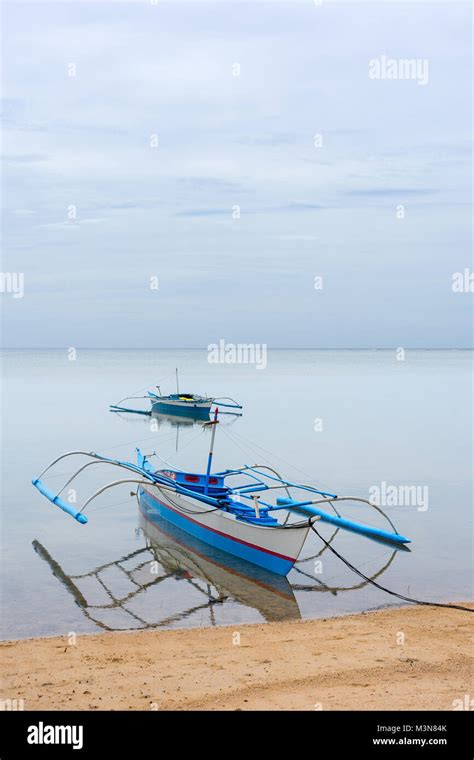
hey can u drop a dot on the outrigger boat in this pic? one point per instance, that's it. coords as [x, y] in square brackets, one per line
[229, 517]
[187, 404]
[181, 403]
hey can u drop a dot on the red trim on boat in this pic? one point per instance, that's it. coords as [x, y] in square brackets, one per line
[220, 533]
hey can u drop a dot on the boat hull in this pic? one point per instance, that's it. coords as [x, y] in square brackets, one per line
[193, 409]
[181, 554]
[275, 550]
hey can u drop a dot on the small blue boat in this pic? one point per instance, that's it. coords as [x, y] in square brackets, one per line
[186, 404]
[179, 404]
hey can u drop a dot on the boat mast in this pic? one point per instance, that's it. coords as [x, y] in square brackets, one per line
[177, 384]
[214, 422]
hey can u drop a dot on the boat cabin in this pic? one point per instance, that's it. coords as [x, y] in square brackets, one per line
[195, 482]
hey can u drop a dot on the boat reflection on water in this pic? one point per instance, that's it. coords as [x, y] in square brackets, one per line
[176, 580]
[183, 555]
[162, 421]
[148, 596]
[158, 422]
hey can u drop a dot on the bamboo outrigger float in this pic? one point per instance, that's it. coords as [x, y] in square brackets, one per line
[232, 518]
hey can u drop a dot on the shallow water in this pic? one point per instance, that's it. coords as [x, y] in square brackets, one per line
[383, 420]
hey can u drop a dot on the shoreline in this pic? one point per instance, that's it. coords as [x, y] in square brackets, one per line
[399, 658]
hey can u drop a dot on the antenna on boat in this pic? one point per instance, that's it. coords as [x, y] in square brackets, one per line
[177, 384]
[213, 422]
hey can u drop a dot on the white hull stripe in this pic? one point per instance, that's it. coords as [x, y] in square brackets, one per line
[226, 535]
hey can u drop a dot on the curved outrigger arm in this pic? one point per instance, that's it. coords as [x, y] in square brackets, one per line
[91, 455]
[161, 479]
[122, 465]
[78, 514]
[143, 470]
[309, 506]
[119, 483]
[55, 498]
[233, 405]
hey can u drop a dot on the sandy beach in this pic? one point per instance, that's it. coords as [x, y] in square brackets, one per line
[410, 658]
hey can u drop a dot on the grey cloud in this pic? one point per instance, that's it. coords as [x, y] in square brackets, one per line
[397, 191]
[25, 158]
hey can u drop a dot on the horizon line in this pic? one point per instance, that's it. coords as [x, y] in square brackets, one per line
[206, 348]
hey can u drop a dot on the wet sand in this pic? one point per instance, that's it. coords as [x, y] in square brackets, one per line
[416, 658]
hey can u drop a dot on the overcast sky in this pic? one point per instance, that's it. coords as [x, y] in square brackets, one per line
[224, 140]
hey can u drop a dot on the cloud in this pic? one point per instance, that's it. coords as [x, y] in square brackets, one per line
[296, 238]
[69, 224]
[25, 158]
[125, 205]
[205, 212]
[289, 207]
[269, 140]
[211, 183]
[389, 191]
[229, 140]
[303, 206]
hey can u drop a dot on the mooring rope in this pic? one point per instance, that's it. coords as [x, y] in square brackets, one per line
[383, 588]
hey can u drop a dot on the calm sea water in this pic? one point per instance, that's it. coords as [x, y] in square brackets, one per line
[343, 420]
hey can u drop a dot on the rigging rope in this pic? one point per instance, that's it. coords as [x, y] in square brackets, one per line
[274, 456]
[169, 437]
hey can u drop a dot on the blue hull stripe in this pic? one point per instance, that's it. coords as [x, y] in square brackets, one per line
[182, 411]
[261, 557]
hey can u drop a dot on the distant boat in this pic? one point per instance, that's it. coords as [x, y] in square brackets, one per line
[188, 404]
[180, 404]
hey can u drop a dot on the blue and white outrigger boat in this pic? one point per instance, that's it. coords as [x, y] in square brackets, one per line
[181, 404]
[230, 517]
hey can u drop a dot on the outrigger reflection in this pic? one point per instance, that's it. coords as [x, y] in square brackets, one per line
[232, 518]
